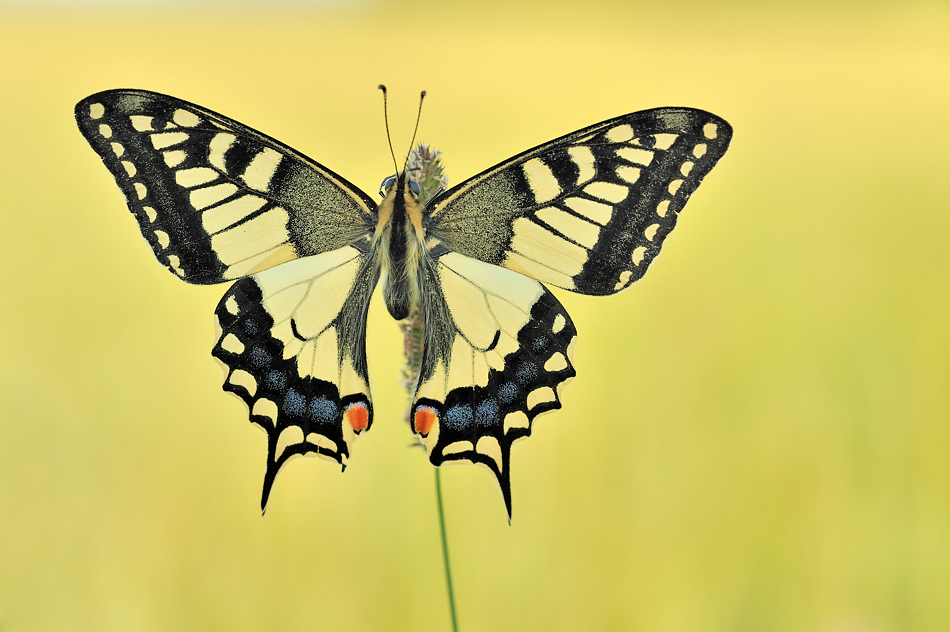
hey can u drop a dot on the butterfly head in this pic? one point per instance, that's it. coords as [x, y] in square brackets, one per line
[388, 184]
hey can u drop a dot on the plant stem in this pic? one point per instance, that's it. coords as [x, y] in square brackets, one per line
[445, 550]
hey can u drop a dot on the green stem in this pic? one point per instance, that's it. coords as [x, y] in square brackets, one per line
[445, 550]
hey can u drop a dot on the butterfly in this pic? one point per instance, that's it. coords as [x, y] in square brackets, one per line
[220, 202]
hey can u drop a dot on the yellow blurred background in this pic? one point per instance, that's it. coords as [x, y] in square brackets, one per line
[757, 439]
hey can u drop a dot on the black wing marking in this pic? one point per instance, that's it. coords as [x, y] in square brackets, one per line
[215, 199]
[293, 345]
[589, 211]
[498, 353]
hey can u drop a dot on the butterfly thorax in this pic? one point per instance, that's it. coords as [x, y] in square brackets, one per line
[398, 244]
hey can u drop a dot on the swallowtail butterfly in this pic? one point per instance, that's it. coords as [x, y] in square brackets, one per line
[304, 249]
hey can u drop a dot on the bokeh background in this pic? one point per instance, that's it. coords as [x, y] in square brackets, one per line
[757, 439]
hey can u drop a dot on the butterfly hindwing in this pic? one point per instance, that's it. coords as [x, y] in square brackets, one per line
[498, 352]
[293, 344]
[589, 211]
[216, 199]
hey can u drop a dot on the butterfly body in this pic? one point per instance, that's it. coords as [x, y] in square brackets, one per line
[399, 244]
[305, 249]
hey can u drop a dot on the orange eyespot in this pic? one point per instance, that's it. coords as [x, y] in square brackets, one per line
[424, 418]
[357, 416]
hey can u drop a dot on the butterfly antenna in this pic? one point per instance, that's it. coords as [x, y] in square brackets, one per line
[388, 138]
[418, 116]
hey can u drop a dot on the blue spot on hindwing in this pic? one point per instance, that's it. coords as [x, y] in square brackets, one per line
[294, 403]
[508, 392]
[540, 343]
[276, 380]
[486, 413]
[322, 410]
[458, 417]
[526, 373]
[260, 358]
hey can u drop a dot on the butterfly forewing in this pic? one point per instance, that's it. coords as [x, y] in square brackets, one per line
[498, 351]
[293, 344]
[589, 211]
[215, 199]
